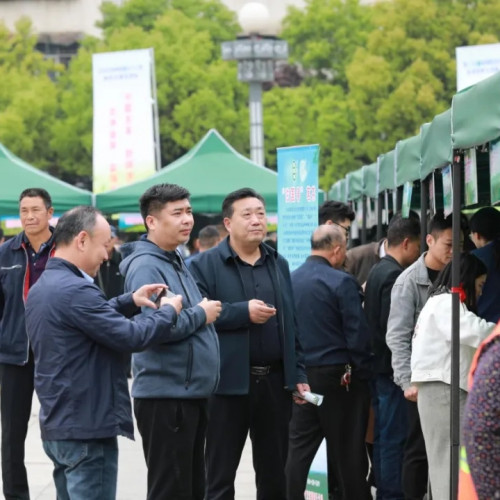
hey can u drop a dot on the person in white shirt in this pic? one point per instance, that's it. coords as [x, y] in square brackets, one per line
[431, 361]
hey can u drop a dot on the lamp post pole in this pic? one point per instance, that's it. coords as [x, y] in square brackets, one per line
[256, 56]
[256, 123]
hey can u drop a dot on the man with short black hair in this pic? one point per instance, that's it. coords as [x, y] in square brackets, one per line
[261, 362]
[408, 297]
[334, 335]
[172, 382]
[338, 213]
[22, 261]
[403, 249]
[485, 234]
[208, 237]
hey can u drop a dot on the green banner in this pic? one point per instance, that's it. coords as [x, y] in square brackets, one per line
[407, 191]
[470, 177]
[495, 172]
[447, 190]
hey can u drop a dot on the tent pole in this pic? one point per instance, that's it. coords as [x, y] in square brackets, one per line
[363, 227]
[424, 205]
[380, 204]
[455, 330]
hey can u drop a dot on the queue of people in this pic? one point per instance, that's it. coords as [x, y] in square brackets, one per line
[228, 344]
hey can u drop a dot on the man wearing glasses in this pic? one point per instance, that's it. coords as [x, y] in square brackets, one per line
[338, 213]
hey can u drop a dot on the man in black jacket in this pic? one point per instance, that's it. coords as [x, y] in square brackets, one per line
[334, 335]
[109, 278]
[260, 358]
[22, 261]
[403, 248]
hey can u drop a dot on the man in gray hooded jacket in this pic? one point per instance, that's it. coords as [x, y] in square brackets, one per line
[172, 382]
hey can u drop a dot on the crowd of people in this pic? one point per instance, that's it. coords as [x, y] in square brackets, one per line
[227, 343]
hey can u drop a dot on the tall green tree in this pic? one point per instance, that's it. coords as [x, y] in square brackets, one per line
[310, 115]
[405, 74]
[324, 36]
[28, 96]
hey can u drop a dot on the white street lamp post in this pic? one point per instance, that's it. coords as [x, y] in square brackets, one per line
[256, 56]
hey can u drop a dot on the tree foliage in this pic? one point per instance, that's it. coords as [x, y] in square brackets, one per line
[28, 96]
[405, 74]
[371, 75]
[195, 90]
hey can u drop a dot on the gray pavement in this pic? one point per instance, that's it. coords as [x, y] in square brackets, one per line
[131, 468]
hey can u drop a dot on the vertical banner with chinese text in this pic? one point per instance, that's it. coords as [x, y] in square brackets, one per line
[297, 201]
[124, 136]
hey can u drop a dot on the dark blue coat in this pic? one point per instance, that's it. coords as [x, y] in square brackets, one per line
[14, 286]
[218, 278]
[332, 324]
[78, 339]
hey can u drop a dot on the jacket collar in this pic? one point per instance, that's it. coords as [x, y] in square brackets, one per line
[228, 253]
[58, 263]
[318, 259]
[21, 238]
[421, 275]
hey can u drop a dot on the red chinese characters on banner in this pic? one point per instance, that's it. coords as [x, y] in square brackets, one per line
[311, 193]
[294, 194]
[129, 153]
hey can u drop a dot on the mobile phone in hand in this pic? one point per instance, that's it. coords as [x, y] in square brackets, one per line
[164, 293]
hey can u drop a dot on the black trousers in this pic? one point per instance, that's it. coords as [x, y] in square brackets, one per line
[173, 440]
[265, 412]
[16, 397]
[415, 467]
[342, 420]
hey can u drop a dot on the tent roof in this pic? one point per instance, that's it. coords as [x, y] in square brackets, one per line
[370, 174]
[338, 191]
[355, 184]
[210, 170]
[17, 176]
[475, 114]
[386, 171]
[408, 160]
[437, 150]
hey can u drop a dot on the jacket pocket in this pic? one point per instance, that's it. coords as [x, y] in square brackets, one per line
[189, 365]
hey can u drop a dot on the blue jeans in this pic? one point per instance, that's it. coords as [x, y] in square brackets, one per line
[391, 427]
[84, 470]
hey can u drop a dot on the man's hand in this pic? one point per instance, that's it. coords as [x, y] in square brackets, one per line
[411, 393]
[212, 309]
[260, 312]
[301, 388]
[141, 297]
[175, 302]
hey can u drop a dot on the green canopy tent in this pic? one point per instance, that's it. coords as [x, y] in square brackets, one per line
[386, 176]
[369, 190]
[17, 176]
[210, 170]
[338, 192]
[436, 150]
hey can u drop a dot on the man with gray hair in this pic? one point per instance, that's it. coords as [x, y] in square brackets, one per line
[78, 338]
[334, 335]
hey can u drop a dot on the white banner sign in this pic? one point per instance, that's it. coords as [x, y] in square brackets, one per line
[124, 139]
[475, 63]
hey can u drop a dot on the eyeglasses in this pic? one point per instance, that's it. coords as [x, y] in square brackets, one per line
[345, 228]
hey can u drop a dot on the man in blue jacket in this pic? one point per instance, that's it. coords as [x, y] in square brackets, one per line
[22, 261]
[172, 382]
[260, 356]
[78, 341]
[334, 335]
